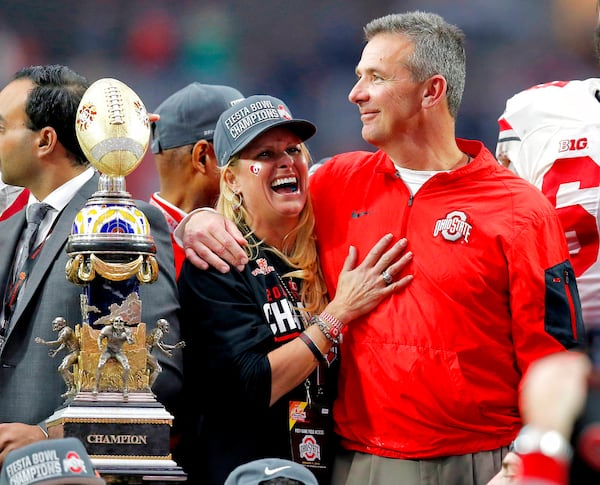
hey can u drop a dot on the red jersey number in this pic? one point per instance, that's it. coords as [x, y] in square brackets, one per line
[577, 222]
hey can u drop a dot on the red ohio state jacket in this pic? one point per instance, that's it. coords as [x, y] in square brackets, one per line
[435, 369]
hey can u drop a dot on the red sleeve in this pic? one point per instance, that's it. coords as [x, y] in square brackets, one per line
[541, 469]
[179, 255]
[545, 304]
[16, 206]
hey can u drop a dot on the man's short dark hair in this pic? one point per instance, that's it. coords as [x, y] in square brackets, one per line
[54, 101]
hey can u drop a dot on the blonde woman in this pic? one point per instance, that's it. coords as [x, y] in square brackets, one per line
[264, 337]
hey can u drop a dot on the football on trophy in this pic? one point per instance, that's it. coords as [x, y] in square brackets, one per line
[112, 127]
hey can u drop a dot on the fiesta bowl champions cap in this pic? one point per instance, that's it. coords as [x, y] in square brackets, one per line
[251, 117]
[190, 114]
[50, 462]
[268, 468]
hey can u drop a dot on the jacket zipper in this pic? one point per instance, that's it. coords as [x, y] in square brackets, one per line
[571, 305]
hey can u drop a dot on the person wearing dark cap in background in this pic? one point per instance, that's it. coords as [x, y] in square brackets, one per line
[183, 151]
[271, 471]
[50, 462]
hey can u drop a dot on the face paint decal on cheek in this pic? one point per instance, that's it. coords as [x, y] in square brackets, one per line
[255, 168]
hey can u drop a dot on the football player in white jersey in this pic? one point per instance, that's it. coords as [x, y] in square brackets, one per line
[550, 135]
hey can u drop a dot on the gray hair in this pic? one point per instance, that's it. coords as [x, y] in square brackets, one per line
[439, 48]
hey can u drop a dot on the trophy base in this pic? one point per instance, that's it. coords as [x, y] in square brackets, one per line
[138, 474]
[127, 437]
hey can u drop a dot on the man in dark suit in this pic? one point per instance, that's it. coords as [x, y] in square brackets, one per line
[39, 151]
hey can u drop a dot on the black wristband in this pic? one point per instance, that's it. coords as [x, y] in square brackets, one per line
[313, 348]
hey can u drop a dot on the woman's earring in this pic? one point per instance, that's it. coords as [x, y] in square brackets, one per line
[237, 204]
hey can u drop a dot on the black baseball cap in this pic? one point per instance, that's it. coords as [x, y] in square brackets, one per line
[265, 469]
[50, 462]
[190, 114]
[251, 117]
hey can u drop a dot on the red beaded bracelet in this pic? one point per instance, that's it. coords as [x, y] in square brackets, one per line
[335, 325]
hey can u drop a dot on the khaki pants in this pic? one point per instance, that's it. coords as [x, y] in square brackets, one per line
[354, 468]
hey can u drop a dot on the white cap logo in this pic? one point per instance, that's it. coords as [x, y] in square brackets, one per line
[73, 463]
[284, 113]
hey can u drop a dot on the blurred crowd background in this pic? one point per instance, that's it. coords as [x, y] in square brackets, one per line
[301, 51]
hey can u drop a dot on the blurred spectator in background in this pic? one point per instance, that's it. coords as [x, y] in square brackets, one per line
[182, 143]
[12, 199]
[271, 471]
[553, 396]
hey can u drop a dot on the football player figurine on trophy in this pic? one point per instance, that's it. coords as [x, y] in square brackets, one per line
[154, 340]
[116, 335]
[66, 340]
[110, 406]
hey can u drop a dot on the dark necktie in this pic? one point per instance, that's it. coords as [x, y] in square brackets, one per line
[35, 215]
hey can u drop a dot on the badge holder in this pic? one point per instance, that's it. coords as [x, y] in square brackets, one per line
[311, 431]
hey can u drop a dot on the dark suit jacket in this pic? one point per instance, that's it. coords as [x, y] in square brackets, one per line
[30, 385]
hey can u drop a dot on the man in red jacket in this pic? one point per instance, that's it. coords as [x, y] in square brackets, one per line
[429, 380]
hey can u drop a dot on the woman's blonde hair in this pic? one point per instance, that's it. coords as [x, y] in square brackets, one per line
[299, 249]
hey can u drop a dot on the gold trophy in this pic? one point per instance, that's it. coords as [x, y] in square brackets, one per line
[109, 369]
